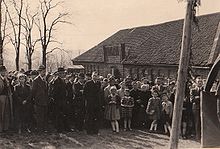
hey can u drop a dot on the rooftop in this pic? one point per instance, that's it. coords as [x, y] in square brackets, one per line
[160, 44]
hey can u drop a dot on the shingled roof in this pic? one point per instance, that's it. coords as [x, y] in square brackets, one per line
[160, 44]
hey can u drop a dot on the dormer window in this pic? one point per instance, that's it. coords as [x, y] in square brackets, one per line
[114, 53]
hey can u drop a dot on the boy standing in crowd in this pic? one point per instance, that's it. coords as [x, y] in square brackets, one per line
[79, 102]
[92, 94]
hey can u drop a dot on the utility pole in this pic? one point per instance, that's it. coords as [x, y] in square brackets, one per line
[1, 42]
[182, 76]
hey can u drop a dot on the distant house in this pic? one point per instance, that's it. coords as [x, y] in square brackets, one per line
[154, 50]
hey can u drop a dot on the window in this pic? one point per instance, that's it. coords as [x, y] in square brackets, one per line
[112, 50]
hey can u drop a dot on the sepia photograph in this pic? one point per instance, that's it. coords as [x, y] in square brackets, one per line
[109, 74]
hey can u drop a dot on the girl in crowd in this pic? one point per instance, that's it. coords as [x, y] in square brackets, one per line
[22, 98]
[112, 111]
[121, 91]
[153, 109]
[167, 111]
[127, 104]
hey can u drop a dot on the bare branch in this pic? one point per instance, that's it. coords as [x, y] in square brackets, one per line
[46, 29]
[57, 20]
[13, 25]
[4, 27]
[56, 48]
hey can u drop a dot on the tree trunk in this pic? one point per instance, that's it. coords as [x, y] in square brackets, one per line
[29, 63]
[1, 51]
[44, 56]
[17, 59]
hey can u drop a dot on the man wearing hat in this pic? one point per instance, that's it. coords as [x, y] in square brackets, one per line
[70, 101]
[40, 97]
[79, 102]
[92, 94]
[58, 93]
[4, 100]
[31, 76]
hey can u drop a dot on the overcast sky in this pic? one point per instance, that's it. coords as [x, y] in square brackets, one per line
[95, 20]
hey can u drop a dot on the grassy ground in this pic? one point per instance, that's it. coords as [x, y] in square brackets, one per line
[136, 139]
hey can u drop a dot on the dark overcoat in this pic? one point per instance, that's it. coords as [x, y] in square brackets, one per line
[40, 92]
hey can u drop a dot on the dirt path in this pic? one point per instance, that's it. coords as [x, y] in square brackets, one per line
[136, 139]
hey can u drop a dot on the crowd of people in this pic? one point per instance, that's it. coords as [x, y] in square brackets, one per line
[34, 101]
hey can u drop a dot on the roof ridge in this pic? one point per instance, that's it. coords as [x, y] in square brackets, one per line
[168, 22]
[158, 43]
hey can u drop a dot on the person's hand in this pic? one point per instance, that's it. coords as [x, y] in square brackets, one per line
[197, 97]
[138, 101]
[152, 112]
[113, 102]
[24, 102]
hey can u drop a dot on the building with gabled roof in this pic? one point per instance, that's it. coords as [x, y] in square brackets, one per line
[154, 50]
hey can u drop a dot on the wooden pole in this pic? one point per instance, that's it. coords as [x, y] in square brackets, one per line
[1, 42]
[182, 77]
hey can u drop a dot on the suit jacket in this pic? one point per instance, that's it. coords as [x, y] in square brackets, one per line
[58, 91]
[136, 94]
[69, 88]
[78, 90]
[195, 98]
[21, 94]
[40, 92]
[92, 94]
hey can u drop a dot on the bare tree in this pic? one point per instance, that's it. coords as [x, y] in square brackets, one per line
[47, 28]
[16, 25]
[3, 24]
[30, 43]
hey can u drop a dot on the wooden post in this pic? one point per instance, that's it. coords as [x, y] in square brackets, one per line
[182, 77]
[1, 42]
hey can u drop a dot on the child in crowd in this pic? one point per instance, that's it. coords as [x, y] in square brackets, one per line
[121, 91]
[153, 109]
[167, 111]
[127, 104]
[112, 111]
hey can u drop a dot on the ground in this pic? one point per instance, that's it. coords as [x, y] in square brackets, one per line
[136, 139]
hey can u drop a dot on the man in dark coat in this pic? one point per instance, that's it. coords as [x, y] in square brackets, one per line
[58, 92]
[195, 99]
[70, 100]
[40, 97]
[92, 93]
[136, 94]
[79, 102]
